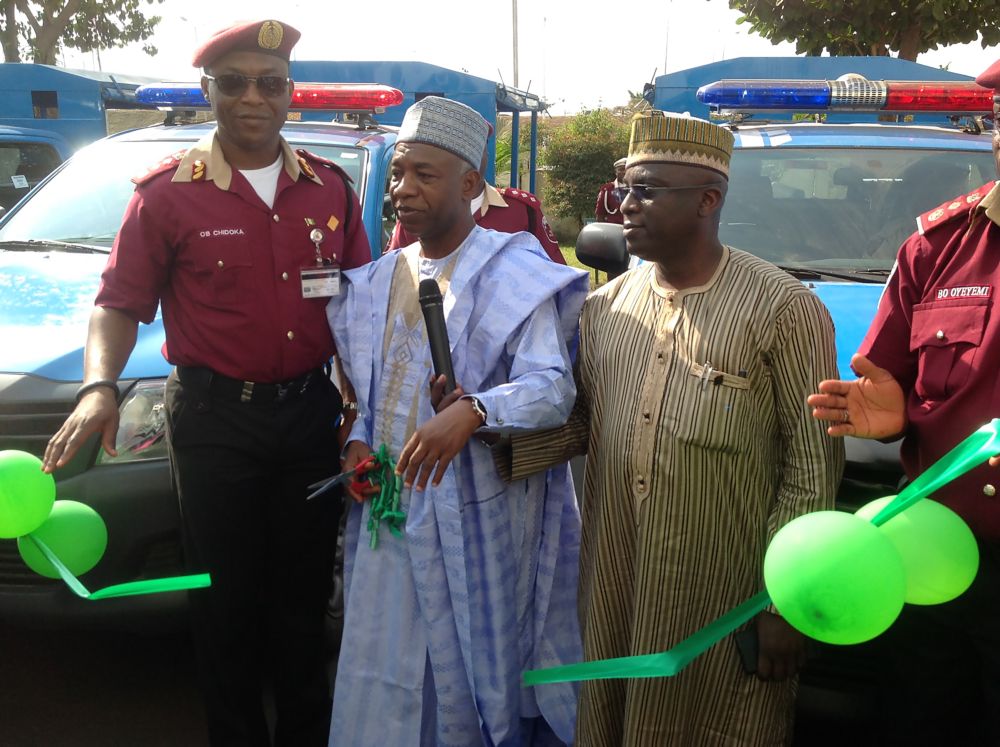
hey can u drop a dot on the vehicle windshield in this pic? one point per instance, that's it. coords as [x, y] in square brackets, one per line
[84, 202]
[840, 208]
[22, 166]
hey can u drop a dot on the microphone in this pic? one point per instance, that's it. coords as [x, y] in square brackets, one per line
[437, 333]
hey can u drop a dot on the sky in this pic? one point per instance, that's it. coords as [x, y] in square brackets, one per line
[575, 53]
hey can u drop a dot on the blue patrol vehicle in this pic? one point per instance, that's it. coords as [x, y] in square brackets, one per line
[53, 248]
[27, 155]
[831, 203]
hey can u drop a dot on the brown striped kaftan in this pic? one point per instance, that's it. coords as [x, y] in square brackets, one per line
[692, 407]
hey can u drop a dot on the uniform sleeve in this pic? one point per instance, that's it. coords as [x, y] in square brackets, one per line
[399, 239]
[357, 250]
[599, 211]
[803, 354]
[887, 343]
[139, 264]
[543, 232]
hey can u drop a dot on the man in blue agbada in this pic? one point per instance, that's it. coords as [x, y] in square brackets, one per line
[480, 585]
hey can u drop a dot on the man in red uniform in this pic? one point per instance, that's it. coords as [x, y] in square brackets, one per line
[506, 210]
[928, 372]
[241, 241]
[608, 207]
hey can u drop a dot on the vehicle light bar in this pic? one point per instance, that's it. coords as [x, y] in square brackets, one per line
[366, 97]
[848, 94]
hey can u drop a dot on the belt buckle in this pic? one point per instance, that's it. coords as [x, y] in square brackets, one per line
[246, 394]
[281, 392]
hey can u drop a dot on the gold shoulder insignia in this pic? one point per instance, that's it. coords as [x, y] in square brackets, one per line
[164, 165]
[306, 168]
[198, 171]
[958, 206]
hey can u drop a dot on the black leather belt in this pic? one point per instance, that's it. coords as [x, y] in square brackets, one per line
[224, 387]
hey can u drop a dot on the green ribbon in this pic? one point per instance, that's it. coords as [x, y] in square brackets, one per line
[130, 589]
[974, 450]
[385, 506]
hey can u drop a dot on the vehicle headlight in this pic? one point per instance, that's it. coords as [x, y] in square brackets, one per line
[142, 426]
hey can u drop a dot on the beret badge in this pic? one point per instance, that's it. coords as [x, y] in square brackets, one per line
[270, 35]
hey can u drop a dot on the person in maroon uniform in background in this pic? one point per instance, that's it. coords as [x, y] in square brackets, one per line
[928, 373]
[506, 210]
[608, 207]
[240, 240]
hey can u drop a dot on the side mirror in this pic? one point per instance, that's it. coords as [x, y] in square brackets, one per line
[602, 247]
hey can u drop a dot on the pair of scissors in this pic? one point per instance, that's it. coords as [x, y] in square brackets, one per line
[363, 467]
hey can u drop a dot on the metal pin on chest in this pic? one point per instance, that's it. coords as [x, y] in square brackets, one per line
[316, 237]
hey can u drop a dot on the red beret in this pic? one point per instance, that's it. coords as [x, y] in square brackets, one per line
[266, 37]
[990, 78]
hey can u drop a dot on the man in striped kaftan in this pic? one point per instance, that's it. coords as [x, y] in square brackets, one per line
[692, 377]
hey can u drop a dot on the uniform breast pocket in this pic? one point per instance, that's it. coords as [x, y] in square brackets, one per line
[946, 337]
[714, 410]
[228, 267]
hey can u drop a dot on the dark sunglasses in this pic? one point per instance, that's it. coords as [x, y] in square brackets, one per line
[645, 192]
[236, 84]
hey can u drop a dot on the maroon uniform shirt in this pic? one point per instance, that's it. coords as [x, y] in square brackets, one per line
[937, 332]
[505, 210]
[608, 208]
[225, 267]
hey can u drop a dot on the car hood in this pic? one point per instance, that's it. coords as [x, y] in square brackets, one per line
[852, 307]
[45, 303]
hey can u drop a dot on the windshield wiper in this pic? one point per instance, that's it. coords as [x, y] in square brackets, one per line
[868, 275]
[62, 246]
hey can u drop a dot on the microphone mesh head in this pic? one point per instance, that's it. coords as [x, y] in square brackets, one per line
[429, 290]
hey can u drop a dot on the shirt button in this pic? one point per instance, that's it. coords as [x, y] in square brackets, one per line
[284, 276]
[499, 421]
[276, 218]
[989, 490]
[939, 334]
[291, 335]
[220, 263]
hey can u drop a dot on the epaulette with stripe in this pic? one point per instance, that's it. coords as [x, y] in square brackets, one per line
[167, 164]
[509, 193]
[954, 208]
[305, 157]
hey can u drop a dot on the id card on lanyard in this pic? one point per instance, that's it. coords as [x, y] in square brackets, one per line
[323, 279]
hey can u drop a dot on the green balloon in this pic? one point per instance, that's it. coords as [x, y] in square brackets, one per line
[939, 552]
[26, 493]
[835, 577]
[74, 532]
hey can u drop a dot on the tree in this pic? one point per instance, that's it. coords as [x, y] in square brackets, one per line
[40, 28]
[866, 28]
[579, 156]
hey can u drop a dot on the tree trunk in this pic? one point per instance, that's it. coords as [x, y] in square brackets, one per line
[909, 44]
[8, 35]
[50, 31]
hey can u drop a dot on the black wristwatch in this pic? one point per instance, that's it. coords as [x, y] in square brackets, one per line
[477, 407]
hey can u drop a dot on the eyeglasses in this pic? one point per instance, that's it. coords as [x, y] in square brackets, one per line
[236, 84]
[644, 192]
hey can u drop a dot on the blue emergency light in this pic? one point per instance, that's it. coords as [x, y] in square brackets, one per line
[852, 93]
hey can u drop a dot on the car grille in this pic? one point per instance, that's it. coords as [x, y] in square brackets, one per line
[162, 558]
[28, 426]
[13, 571]
[31, 410]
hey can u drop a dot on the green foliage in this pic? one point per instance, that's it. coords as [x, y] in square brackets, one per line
[579, 157]
[862, 27]
[40, 28]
